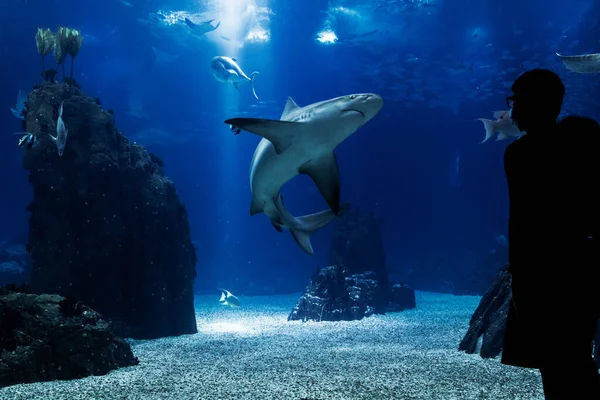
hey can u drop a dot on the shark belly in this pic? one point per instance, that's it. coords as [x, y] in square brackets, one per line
[268, 173]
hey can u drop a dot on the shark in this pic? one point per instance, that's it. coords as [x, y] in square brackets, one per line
[226, 69]
[303, 141]
[201, 28]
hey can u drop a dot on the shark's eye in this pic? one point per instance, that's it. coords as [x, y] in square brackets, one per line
[352, 97]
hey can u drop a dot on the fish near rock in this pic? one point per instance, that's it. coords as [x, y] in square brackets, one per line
[61, 132]
[226, 69]
[228, 299]
[28, 140]
[503, 125]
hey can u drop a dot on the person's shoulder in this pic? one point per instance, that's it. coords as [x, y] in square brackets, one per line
[576, 126]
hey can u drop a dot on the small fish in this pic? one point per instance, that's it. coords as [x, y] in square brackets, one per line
[17, 110]
[503, 125]
[61, 132]
[583, 64]
[227, 299]
[28, 141]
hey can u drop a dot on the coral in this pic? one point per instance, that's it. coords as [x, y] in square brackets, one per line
[106, 226]
[44, 39]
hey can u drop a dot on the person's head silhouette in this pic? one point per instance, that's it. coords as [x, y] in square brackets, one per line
[537, 99]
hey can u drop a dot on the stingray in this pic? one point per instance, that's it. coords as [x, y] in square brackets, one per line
[583, 64]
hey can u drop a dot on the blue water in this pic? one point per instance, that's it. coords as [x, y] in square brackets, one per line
[418, 165]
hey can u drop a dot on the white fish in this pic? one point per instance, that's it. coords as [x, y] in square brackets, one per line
[28, 140]
[583, 64]
[227, 299]
[303, 142]
[61, 132]
[503, 125]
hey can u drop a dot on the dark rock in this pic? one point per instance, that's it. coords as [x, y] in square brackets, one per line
[356, 285]
[401, 297]
[40, 343]
[357, 244]
[489, 321]
[106, 225]
[336, 295]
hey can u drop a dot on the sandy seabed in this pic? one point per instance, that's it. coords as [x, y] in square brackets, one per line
[253, 352]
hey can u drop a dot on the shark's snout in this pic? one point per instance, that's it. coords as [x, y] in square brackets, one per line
[368, 104]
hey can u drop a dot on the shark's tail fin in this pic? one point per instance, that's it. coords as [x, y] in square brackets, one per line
[303, 227]
[252, 83]
[488, 124]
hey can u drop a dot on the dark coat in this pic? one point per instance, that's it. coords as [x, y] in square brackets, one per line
[553, 184]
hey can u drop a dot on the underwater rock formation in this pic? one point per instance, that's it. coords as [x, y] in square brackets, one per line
[106, 225]
[335, 294]
[489, 321]
[356, 283]
[357, 244]
[401, 297]
[48, 337]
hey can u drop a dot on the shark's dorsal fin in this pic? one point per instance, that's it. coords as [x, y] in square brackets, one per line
[325, 173]
[280, 133]
[290, 106]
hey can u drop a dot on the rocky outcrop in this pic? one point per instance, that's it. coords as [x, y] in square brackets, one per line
[356, 283]
[401, 297]
[106, 225]
[334, 294]
[357, 244]
[489, 320]
[49, 337]
[487, 326]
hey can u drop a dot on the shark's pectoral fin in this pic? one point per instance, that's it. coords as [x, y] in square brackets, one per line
[235, 85]
[52, 137]
[280, 133]
[325, 173]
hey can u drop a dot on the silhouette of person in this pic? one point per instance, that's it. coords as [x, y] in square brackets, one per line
[553, 174]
